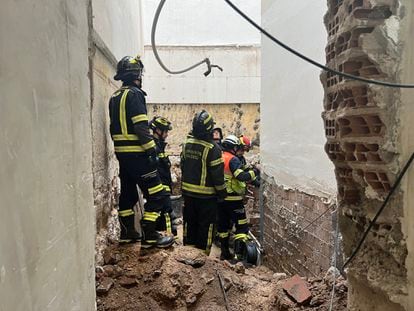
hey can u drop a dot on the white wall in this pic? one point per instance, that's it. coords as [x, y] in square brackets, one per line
[292, 133]
[238, 83]
[191, 30]
[201, 22]
[46, 225]
[119, 25]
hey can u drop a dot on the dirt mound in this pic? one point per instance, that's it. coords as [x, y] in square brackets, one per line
[183, 278]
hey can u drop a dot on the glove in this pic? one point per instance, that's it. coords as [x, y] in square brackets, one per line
[256, 182]
[153, 160]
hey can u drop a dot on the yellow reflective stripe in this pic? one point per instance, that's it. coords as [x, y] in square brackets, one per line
[198, 189]
[155, 189]
[129, 149]
[252, 174]
[167, 188]
[148, 145]
[199, 142]
[208, 119]
[221, 187]
[125, 213]
[122, 113]
[242, 221]
[151, 216]
[139, 118]
[241, 236]
[168, 222]
[223, 234]
[204, 167]
[237, 172]
[118, 137]
[209, 239]
[233, 198]
[216, 162]
[162, 155]
[185, 230]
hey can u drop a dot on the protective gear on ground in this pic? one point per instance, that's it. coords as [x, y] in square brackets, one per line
[203, 124]
[129, 69]
[160, 123]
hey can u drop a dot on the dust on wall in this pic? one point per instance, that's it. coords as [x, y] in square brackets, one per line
[232, 118]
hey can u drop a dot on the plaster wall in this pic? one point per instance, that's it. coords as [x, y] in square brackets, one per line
[238, 83]
[119, 25]
[47, 223]
[200, 22]
[117, 32]
[292, 139]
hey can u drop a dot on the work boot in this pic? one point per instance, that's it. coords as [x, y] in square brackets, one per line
[225, 250]
[128, 232]
[240, 249]
[154, 238]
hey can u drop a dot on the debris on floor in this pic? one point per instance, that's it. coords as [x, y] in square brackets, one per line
[183, 278]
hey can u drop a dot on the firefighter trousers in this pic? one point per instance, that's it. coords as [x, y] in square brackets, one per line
[229, 213]
[199, 217]
[137, 170]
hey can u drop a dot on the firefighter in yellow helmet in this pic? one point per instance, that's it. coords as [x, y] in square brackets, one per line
[161, 127]
[136, 154]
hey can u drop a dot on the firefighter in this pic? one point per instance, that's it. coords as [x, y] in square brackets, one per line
[160, 127]
[136, 154]
[246, 145]
[218, 135]
[231, 210]
[202, 183]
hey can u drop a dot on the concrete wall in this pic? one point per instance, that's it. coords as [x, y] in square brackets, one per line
[117, 32]
[369, 138]
[299, 186]
[47, 223]
[119, 23]
[200, 22]
[238, 83]
[292, 129]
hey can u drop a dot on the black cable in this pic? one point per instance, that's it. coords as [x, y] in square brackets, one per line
[309, 60]
[158, 58]
[394, 187]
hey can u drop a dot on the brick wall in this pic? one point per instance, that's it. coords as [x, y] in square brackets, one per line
[232, 118]
[289, 246]
[361, 126]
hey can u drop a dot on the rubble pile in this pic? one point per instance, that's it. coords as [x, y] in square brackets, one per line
[183, 278]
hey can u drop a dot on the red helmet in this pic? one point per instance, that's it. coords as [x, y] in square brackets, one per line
[246, 143]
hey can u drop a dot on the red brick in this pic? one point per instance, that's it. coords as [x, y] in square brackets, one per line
[296, 288]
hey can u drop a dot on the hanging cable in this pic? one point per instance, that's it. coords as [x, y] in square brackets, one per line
[309, 60]
[157, 56]
[384, 204]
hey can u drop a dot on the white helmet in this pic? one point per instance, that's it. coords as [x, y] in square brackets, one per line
[230, 142]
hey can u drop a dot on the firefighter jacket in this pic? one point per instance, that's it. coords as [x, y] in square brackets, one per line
[164, 164]
[202, 169]
[129, 122]
[236, 176]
